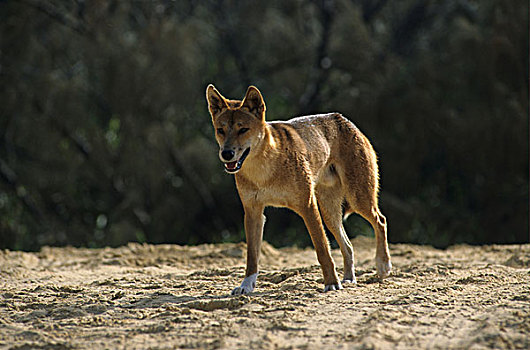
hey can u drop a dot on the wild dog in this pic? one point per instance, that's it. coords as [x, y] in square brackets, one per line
[320, 166]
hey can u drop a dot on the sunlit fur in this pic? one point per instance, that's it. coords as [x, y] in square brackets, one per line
[321, 166]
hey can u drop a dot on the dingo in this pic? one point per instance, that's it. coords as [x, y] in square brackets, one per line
[321, 166]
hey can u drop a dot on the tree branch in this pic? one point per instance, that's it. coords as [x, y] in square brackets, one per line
[62, 18]
[311, 97]
[194, 179]
[10, 178]
[228, 37]
[371, 8]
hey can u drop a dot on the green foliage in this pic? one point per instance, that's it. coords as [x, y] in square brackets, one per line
[105, 136]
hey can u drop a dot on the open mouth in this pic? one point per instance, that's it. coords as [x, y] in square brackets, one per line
[233, 167]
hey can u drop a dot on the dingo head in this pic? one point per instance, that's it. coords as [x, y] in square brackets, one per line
[238, 125]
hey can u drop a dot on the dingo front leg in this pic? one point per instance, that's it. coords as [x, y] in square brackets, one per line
[254, 222]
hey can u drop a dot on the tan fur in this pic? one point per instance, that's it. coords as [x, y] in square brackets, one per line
[318, 166]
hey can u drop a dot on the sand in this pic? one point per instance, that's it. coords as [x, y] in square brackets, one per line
[178, 297]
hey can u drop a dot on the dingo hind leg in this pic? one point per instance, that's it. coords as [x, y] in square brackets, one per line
[382, 255]
[373, 215]
[330, 204]
[361, 185]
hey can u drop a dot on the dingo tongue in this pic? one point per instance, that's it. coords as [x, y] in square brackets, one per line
[231, 165]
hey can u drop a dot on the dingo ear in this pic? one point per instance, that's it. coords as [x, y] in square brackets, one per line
[253, 103]
[216, 101]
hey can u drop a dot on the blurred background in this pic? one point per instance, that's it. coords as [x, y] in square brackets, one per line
[105, 136]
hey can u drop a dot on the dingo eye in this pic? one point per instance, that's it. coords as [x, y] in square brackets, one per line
[220, 131]
[242, 131]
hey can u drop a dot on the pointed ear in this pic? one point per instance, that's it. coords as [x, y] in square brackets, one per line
[253, 103]
[216, 101]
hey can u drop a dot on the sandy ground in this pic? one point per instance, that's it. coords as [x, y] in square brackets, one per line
[168, 296]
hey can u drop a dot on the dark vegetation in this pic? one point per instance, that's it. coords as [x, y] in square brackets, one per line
[105, 136]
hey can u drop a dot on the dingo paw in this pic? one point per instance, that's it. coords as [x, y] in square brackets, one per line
[241, 291]
[349, 280]
[349, 276]
[247, 286]
[384, 266]
[329, 287]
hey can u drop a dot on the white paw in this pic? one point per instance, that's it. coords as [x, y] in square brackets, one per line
[247, 286]
[384, 266]
[329, 287]
[241, 291]
[349, 275]
[349, 280]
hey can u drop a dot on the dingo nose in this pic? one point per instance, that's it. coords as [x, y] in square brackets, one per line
[227, 154]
